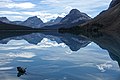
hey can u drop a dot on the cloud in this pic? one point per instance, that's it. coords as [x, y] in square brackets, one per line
[14, 18]
[12, 15]
[25, 5]
[50, 1]
[68, 8]
[10, 12]
[11, 4]
[5, 0]
[17, 17]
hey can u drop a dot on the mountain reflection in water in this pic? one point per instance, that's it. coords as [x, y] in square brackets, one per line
[109, 42]
[47, 57]
[73, 41]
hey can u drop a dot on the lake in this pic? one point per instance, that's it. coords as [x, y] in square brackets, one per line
[57, 56]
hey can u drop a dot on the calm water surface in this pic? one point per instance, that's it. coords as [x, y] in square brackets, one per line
[58, 57]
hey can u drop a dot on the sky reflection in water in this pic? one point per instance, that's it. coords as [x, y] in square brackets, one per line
[49, 60]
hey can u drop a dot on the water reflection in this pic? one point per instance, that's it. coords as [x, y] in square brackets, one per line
[56, 56]
[73, 41]
[20, 74]
[109, 41]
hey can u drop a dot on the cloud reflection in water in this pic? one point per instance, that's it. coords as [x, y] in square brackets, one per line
[49, 57]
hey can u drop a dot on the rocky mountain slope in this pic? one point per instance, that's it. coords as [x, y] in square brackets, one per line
[4, 19]
[33, 22]
[53, 21]
[75, 17]
[106, 20]
[114, 3]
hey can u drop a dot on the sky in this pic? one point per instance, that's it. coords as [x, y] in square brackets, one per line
[20, 10]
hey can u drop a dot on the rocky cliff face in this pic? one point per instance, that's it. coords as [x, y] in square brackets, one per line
[113, 3]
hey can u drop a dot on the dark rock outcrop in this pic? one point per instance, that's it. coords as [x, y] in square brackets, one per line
[114, 3]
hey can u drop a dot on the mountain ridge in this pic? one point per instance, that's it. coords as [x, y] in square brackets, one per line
[107, 20]
[74, 17]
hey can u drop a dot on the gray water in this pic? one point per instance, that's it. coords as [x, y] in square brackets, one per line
[59, 57]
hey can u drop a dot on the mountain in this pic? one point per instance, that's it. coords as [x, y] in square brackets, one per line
[53, 21]
[33, 22]
[57, 20]
[4, 19]
[108, 20]
[75, 17]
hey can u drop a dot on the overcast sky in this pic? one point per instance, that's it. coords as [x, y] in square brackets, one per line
[49, 9]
